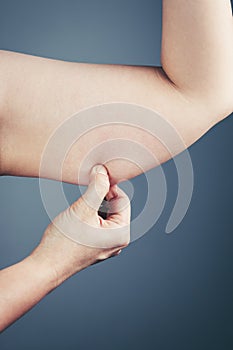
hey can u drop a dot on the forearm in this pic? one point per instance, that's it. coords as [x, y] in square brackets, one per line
[21, 287]
[197, 47]
[53, 261]
[37, 95]
[77, 238]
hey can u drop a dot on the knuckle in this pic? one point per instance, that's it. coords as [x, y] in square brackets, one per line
[126, 243]
[104, 255]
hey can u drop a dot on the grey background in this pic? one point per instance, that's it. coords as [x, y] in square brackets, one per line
[166, 291]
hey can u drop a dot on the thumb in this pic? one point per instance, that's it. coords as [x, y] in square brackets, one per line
[98, 187]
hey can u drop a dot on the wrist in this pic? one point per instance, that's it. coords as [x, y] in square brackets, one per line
[58, 262]
[43, 269]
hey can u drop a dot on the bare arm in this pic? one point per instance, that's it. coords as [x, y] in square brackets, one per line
[77, 238]
[21, 286]
[193, 91]
[197, 48]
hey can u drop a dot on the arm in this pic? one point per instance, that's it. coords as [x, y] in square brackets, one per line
[21, 287]
[193, 91]
[58, 257]
[197, 49]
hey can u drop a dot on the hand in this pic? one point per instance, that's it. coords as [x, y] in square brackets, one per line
[79, 236]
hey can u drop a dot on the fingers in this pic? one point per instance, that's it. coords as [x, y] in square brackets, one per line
[112, 193]
[85, 226]
[97, 189]
[119, 206]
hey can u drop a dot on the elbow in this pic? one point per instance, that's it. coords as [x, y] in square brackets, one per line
[227, 106]
[223, 108]
[222, 99]
[218, 105]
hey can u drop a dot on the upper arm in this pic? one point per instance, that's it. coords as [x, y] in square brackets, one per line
[192, 92]
[144, 86]
[42, 94]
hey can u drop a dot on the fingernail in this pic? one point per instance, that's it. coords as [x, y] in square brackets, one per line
[99, 169]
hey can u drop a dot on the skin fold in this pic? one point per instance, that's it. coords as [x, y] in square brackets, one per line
[192, 91]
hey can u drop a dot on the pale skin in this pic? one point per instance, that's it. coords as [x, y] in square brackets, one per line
[58, 257]
[192, 91]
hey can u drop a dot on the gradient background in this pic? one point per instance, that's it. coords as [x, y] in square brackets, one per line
[166, 291]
